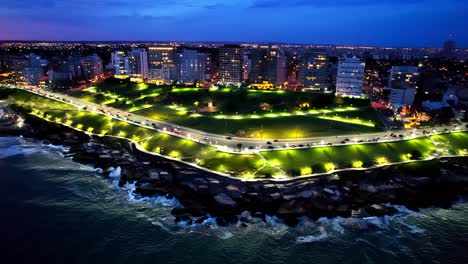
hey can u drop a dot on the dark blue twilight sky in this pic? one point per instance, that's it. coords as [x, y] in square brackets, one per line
[365, 22]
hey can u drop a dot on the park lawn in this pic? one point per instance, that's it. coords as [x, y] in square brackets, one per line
[161, 113]
[363, 155]
[31, 100]
[125, 89]
[174, 147]
[455, 143]
[272, 128]
[226, 162]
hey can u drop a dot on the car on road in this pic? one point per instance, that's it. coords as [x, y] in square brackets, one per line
[269, 143]
[275, 140]
[229, 138]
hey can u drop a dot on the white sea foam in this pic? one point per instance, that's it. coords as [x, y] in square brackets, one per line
[336, 225]
[155, 200]
[115, 173]
[59, 148]
[375, 221]
[311, 238]
[18, 150]
[224, 234]
[413, 229]
[402, 209]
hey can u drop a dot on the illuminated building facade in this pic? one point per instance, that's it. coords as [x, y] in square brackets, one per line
[91, 67]
[191, 66]
[268, 64]
[137, 64]
[162, 63]
[118, 60]
[33, 75]
[402, 84]
[230, 65]
[350, 77]
[313, 71]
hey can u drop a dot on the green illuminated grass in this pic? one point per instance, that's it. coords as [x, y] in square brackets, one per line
[453, 143]
[350, 156]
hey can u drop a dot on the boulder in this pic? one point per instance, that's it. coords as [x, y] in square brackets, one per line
[224, 200]
[329, 191]
[166, 176]
[275, 196]
[380, 210]
[368, 188]
[306, 194]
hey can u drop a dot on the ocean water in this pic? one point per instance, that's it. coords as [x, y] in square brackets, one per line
[54, 210]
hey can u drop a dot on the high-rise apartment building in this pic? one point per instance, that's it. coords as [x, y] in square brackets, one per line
[137, 63]
[91, 66]
[161, 61]
[402, 83]
[230, 64]
[118, 60]
[313, 71]
[33, 75]
[191, 66]
[268, 64]
[350, 77]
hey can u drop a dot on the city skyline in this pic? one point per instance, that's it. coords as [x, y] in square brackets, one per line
[396, 24]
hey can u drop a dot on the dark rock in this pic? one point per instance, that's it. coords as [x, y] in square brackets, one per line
[275, 196]
[306, 194]
[200, 220]
[224, 200]
[380, 210]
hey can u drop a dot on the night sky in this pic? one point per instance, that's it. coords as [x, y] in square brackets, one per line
[409, 23]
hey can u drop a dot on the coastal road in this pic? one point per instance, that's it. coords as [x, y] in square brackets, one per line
[249, 145]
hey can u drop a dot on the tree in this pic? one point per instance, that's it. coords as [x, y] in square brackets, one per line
[239, 146]
[416, 154]
[318, 168]
[100, 98]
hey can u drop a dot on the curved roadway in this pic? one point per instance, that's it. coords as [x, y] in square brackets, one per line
[229, 144]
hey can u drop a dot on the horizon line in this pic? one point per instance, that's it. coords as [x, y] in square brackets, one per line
[222, 42]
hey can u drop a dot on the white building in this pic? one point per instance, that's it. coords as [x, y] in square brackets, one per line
[118, 60]
[350, 76]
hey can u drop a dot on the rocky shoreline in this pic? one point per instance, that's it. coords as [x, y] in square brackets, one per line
[204, 194]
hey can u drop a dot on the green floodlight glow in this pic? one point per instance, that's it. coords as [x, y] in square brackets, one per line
[330, 166]
[381, 160]
[306, 170]
[354, 121]
[182, 90]
[357, 164]
[142, 86]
